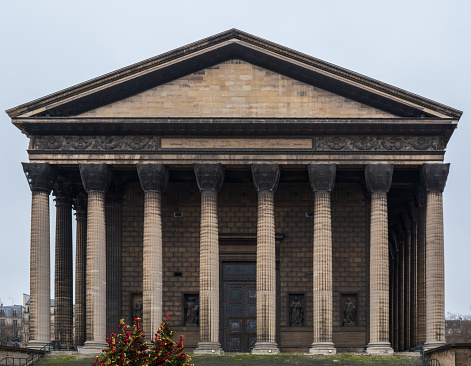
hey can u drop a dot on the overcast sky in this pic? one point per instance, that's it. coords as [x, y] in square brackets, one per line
[423, 47]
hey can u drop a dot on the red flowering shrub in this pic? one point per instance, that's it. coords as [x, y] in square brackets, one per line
[130, 348]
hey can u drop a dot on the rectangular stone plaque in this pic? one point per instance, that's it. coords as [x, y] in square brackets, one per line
[234, 143]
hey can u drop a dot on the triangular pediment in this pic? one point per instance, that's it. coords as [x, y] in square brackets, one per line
[320, 81]
[237, 89]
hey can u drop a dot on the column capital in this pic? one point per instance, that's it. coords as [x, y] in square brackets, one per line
[95, 177]
[209, 176]
[266, 176]
[378, 177]
[322, 177]
[153, 177]
[40, 176]
[80, 205]
[434, 176]
[63, 193]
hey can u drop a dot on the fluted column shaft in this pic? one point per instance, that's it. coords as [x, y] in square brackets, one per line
[421, 263]
[378, 179]
[209, 178]
[80, 269]
[96, 266]
[322, 179]
[96, 179]
[401, 296]
[63, 277]
[113, 213]
[413, 274]
[407, 294]
[40, 178]
[209, 275]
[266, 280]
[266, 177]
[40, 269]
[153, 179]
[434, 176]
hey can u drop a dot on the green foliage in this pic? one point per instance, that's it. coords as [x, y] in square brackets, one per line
[130, 348]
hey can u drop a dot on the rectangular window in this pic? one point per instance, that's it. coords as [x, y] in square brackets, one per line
[2, 322]
[15, 323]
[14, 314]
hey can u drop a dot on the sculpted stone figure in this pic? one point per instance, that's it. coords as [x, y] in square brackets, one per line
[296, 312]
[191, 312]
[349, 313]
[138, 309]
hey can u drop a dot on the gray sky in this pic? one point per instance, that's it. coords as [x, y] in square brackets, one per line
[421, 46]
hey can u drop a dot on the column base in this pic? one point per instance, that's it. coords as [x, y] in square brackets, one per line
[93, 347]
[34, 344]
[433, 344]
[208, 348]
[265, 348]
[379, 348]
[322, 348]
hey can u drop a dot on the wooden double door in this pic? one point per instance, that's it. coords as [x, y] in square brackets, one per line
[239, 305]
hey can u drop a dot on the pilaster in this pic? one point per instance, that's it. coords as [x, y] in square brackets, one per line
[378, 180]
[96, 179]
[153, 178]
[266, 178]
[434, 178]
[40, 179]
[322, 179]
[209, 178]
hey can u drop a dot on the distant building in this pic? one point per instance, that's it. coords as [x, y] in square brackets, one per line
[13, 329]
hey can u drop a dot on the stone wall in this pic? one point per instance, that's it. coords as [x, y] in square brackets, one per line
[236, 89]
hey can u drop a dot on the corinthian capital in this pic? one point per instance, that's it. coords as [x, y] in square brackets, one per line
[153, 177]
[209, 176]
[95, 177]
[266, 177]
[434, 176]
[40, 176]
[378, 177]
[322, 177]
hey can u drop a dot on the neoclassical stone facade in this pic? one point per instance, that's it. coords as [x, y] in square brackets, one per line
[266, 200]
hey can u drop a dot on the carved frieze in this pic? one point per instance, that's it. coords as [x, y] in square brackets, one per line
[97, 143]
[319, 143]
[379, 143]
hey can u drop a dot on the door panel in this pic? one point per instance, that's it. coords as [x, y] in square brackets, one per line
[239, 305]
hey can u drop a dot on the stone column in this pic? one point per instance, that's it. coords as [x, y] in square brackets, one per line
[96, 179]
[40, 178]
[209, 178]
[434, 177]
[421, 198]
[413, 213]
[266, 177]
[63, 277]
[113, 214]
[378, 181]
[153, 179]
[407, 280]
[322, 179]
[401, 296]
[80, 206]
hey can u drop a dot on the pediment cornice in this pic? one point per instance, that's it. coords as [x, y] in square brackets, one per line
[232, 44]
